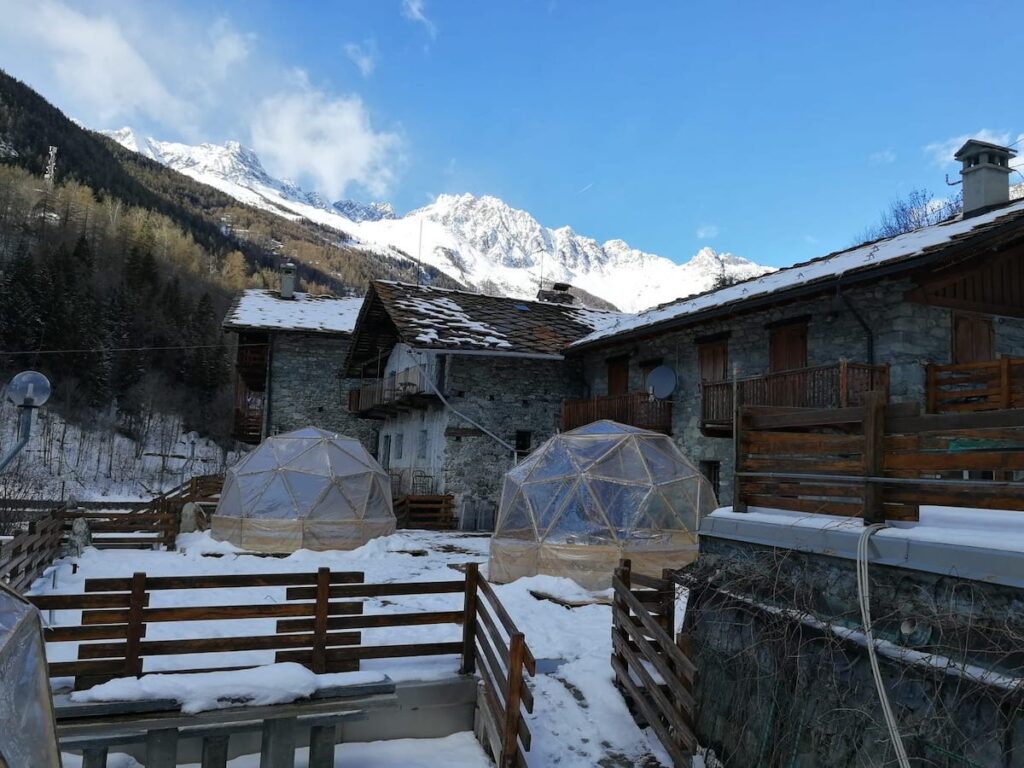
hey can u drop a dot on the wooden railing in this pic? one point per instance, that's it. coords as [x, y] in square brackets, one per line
[878, 462]
[247, 426]
[145, 529]
[836, 385]
[494, 646]
[651, 669]
[432, 512]
[968, 387]
[384, 395]
[638, 409]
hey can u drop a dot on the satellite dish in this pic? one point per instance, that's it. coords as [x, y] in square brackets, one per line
[661, 382]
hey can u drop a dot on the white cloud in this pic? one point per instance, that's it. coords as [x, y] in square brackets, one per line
[306, 133]
[363, 55]
[413, 10]
[707, 231]
[883, 157]
[941, 152]
[91, 58]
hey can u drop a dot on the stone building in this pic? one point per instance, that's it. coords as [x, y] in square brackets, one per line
[291, 346]
[462, 383]
[818, 333]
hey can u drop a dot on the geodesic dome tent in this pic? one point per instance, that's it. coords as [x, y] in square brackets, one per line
[305, 489]
[26, 707]
[586, 498]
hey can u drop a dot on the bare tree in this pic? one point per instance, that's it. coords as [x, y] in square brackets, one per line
[918, 208]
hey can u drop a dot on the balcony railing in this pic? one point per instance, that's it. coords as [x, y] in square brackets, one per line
[836, 385]
[248, 425]
[409, 388]
[990, 385]
[638, 409]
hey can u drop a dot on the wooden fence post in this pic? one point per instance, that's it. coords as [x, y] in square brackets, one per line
[931, 395]
[133, 636]
[469, 620]
[516, 657]
[738, 503]
[323, 598]
[620, 613]
[1004, 382]
[844, 383]
[874, 456]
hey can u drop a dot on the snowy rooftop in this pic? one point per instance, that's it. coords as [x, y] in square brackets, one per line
[437, 318]
[860, 258]
[262, 309]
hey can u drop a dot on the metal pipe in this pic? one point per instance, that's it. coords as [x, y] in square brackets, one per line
[24, 432]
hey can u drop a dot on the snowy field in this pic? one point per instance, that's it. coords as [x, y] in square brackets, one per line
[579, 717]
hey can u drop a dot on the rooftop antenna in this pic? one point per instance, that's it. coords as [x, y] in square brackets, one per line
[51, 168]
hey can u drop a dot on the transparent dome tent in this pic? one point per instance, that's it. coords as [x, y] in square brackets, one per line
[307, 489]
[588, 497]
[28, 734]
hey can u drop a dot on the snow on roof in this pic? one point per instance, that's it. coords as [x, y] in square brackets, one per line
[259, 308]
[834, 265]
[443, 318]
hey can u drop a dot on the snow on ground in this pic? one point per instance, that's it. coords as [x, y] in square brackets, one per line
[460, 750]
[579, 717]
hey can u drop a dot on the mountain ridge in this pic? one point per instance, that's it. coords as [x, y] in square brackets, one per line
[479, 241]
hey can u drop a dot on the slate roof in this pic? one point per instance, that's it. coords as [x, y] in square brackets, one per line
[262, 309]
[908, 251]
[438, 318]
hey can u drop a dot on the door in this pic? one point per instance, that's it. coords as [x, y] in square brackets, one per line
[618, 376]
[787, 347]
[972, 338]
[713, 368]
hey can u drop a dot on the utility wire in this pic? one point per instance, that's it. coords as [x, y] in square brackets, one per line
[98, 350]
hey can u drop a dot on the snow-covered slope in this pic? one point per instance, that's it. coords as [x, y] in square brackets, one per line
[480, 241]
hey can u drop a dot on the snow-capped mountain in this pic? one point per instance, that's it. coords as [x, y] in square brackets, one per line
[480, 241]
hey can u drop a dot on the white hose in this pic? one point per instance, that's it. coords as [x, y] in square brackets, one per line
[864, 598]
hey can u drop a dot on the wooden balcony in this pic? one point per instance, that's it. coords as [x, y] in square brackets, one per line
[638, 409]
[407, 389]
[990, 385]
[836, 385]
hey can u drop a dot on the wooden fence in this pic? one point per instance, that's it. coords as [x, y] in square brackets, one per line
[651, 669]
[317, 625]
[24, 558]
[143, 529]
[986, 386]
[430, 511]
[878, 461]
[492, 643]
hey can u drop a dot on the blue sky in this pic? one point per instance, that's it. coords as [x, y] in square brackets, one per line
[776, 131]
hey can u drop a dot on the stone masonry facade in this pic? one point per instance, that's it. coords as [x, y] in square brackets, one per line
[906, 336]
[305, 389]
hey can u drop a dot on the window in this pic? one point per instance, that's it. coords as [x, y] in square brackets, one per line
[399, 445]
[712, 470]
[524, 441]
[713, 360]
[421, 448]
[972, 338]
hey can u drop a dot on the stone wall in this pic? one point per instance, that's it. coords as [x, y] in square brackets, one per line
[906, 336]
[505, 395]
[778, 686]
[305, 389]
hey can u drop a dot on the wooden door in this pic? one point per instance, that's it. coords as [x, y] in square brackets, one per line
[973, 338]
[787, 347]
[618, 376]
[713, 360]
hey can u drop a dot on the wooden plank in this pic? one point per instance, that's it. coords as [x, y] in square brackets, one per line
[667, 645]
[218, 612]
[381, 651]
[374, 620]
[813, 506]
[946, 422]
[513, 717]
[323, 585]
[380, 590]
[76, 634]
[469, 623]
[803, 443]
[676, 751]
[222, 581]
[679, 684]
[807, 465]
[803, 417]
[957, 461]
[874, 454]
[79, 601]
[217, 644]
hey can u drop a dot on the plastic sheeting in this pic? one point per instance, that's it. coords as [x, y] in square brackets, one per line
[589, 497]
[28, 734]
[307, 489]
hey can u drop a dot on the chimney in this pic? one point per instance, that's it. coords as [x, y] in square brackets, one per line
[287, 281]
[986, 176]
[559, 294]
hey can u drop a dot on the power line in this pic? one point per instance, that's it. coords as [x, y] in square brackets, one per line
[98, 350]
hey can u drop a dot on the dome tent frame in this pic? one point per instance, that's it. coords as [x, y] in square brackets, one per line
[305, 489]
[588, 497]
